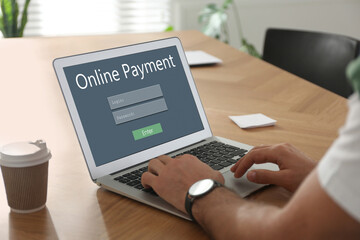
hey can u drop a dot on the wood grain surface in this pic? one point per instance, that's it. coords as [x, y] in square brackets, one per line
[32, 107]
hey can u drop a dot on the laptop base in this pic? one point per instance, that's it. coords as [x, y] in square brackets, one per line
[241, 186]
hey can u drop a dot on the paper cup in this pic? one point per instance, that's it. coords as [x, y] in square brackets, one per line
[24, 167]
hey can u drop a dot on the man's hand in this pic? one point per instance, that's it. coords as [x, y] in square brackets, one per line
[294, 166]
[171, 178]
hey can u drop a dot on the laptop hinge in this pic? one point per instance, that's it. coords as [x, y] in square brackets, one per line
[114, 173]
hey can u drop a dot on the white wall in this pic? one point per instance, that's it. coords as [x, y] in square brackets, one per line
[89, 17]
[333, 16]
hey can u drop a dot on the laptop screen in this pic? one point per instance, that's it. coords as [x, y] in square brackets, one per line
[127, 102]
[134, 102]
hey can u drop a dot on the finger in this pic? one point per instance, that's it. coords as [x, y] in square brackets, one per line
[189, 157]
[147, 179]
[265, 176]
[155, 166]
[256, 156]
[164, 159]
[261, 146]
[233, 168]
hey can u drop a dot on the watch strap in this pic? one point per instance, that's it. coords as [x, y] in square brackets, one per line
[188, 206]
[189, 200]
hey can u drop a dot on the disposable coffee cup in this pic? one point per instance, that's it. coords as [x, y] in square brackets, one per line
[24, 167]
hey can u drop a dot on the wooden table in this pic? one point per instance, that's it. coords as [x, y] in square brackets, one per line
[32, 107]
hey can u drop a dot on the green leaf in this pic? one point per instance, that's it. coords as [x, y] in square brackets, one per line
[249, 48]
[8, 10]
[23, 19]
[15, 14]
[353, 74]
[212, 6]
[4, 16]
[214, 26]
[169, 29]
[206, 13]
[226, 4]
[214, 21]
[1, 23]
[2, 26]
[9, 21]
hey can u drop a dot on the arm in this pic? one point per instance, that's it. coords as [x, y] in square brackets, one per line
[310, 214]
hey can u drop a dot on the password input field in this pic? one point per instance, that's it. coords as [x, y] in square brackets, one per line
[139, 111]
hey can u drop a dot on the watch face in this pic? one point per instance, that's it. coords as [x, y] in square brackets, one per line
[201, 187]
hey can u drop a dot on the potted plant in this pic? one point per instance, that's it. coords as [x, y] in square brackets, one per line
[215, 24]
[9, 25]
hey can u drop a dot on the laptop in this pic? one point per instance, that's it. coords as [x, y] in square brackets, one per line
[131, 104]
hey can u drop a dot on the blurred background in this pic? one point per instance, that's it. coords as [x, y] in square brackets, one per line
[252, 17]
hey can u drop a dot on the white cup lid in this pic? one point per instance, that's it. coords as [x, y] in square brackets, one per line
[24, 154]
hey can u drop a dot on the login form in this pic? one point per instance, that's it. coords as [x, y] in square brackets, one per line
[134, 102]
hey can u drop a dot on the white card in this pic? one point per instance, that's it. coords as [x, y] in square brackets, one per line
[253, 120]
[195, 58]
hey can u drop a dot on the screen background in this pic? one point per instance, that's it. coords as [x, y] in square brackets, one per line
[109, 141]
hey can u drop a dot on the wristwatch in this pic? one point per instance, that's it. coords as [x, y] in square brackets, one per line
[197, 190]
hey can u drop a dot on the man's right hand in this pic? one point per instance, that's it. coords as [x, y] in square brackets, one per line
[294, 166]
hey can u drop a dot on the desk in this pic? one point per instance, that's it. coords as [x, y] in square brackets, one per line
[32, 107]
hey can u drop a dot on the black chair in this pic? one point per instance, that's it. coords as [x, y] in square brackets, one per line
[320, 58]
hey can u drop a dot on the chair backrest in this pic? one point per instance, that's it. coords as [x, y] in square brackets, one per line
[320, 58]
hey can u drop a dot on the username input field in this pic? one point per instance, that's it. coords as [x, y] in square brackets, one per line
[133, 97]
[139, 111]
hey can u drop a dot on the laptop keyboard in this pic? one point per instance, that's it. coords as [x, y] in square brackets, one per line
[215, 154]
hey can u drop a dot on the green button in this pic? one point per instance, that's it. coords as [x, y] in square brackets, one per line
[147, 131]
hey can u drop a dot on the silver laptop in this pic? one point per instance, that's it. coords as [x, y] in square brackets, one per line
[133, 103]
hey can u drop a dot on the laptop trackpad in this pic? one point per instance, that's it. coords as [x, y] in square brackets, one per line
[242, 186]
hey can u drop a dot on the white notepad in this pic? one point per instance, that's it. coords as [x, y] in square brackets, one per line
[196, 58]
[253, 120]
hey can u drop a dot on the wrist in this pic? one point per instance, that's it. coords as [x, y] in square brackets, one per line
[205, 205]
[198, 190]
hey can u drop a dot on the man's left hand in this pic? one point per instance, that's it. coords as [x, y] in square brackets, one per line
[171, 178]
